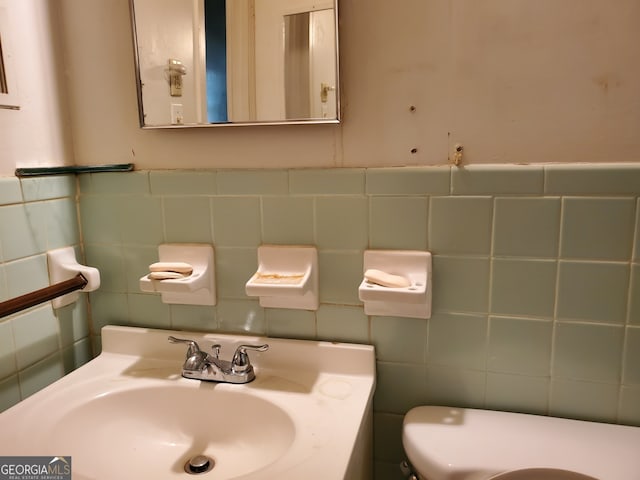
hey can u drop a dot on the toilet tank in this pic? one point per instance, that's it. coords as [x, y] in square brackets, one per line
[444, 443]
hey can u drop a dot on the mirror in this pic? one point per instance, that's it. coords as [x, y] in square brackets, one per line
[236, 62]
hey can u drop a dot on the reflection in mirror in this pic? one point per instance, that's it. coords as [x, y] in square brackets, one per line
[4, 87]
[8, 88]
[236, 62]
[309, 68]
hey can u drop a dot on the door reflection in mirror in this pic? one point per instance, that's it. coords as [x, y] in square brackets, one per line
[3, 77]
[310, 73]
[8, 81]
[216, 60]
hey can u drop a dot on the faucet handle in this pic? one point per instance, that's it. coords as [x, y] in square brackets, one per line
[196, 359]
[193, 346]
[240, 362]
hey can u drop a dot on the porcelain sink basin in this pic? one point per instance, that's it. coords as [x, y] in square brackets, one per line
[166, 426]
[129, 414]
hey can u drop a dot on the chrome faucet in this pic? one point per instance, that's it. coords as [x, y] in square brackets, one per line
[200, 365]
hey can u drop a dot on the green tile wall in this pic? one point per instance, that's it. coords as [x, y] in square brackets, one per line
[38, 345]
[536, 275]
[536, 300]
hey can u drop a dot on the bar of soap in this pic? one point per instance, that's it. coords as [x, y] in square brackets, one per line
[385, 279]
[178, 267]
[166, 275]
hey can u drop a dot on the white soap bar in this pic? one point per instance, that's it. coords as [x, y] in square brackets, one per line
[179, 267]
[386, 279]
[166, 275]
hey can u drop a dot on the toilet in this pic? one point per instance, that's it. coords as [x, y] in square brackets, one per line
[445, 443]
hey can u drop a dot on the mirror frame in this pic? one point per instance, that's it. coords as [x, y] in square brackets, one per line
[311, 121]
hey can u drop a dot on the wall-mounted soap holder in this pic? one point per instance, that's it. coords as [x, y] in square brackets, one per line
[62, 265]
[287, 277]
[198, 288]
[413, 300]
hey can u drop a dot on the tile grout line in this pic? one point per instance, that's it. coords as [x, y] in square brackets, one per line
[554, 328]
[489, 295]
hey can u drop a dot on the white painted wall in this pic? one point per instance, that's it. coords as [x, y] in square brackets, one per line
[513, 80]
[39, 133]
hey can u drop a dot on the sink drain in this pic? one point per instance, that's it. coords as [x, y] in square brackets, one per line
[199, 464]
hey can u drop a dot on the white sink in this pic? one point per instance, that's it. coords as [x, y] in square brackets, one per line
[165, 426]
[129, 414]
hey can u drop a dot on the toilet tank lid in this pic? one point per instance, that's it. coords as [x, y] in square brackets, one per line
[444, 443]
